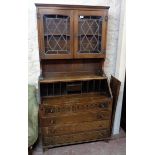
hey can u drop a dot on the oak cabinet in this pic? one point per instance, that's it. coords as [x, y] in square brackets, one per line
[66, 33]
[77, 102]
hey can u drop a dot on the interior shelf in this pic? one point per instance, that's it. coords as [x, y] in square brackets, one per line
[56, 34]
[67, 78]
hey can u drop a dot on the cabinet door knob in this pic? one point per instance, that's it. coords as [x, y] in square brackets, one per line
[106, 18]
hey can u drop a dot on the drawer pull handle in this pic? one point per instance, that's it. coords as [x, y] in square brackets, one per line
[51, 110]
[74, 87]
[103, 105]
[52, 122]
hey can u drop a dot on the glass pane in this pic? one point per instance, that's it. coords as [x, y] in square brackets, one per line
[89, 35]
[57, 34]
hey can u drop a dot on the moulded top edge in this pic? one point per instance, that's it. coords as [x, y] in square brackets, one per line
[74, 6]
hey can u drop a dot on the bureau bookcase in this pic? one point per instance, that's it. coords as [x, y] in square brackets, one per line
[77, 102]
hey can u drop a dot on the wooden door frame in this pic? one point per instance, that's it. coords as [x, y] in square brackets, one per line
[103, 13]
[42, 12]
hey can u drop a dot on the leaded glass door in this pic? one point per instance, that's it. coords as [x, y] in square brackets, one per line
[90, 34]
[56, 32]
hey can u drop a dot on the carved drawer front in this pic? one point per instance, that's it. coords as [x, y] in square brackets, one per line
[74, 128]
[75, 107]
[75, 118]
[75, 138]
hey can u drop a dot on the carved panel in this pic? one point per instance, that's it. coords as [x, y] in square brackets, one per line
[105, 105]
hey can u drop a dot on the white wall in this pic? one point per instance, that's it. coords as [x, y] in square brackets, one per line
[112, 36]
[120, 65]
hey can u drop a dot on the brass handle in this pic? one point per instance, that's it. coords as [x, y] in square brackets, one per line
[52, 122]
[103, 105]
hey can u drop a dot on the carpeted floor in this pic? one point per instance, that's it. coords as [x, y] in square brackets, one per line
[116, 146]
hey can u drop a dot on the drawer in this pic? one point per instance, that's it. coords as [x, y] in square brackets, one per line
[86, 116]
[75, 138]
[75, 107]
[74, 87]
[75, 128]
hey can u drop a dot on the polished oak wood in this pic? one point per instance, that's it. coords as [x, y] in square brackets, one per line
[77, 102]
[73, 15]
[62, 129]
[71, 6]
[52, 141]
